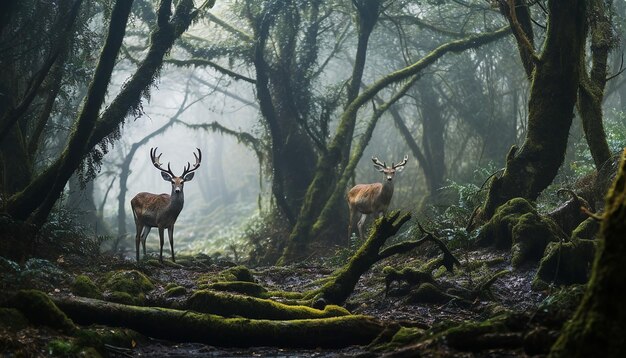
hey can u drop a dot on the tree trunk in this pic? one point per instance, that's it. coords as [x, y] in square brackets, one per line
[189, 326]
[317, 192]
[596, 330]
[532, 168]
[591, 90]
[38, 195]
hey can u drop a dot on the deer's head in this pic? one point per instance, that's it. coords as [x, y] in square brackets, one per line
[389, 172]
[167, 174]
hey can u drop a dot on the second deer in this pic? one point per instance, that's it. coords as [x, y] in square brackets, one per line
[161, 210]
[373, 198]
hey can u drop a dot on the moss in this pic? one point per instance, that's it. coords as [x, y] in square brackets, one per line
[428, 293]
[285, 294]
[565, 264]
[189, 326]
[229, 305]
[477, 335]
[587, 230]
[128, 287]
[61, 348]
[407, 335]
[175, 291]
[243, 287]
[12, 319]
[237, 273]
[531, 234]
[517, 225]
[497, 231]
[99, 337]
[84, 287]
[124, 298]
[39, 309]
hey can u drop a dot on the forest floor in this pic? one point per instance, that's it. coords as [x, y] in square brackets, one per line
[509, 293]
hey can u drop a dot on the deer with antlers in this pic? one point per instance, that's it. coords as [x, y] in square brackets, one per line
[373, 198]
[161, 210]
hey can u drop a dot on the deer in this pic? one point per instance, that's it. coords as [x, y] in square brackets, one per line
[161, 210]
[373, 198]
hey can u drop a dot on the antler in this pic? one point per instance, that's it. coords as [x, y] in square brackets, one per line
[401, 164]
[189, 169]
[379, 163]
[156, 162]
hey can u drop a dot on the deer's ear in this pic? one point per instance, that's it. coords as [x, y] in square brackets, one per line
[166, 176]
[399, 169]
[378, 167]
[189, 176]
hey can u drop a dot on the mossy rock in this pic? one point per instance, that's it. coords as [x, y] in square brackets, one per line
[243, 287]
[175, 291]
[229, 305]
[12, 319]
[128, 287]
[428, 293]
[237, 273]
[83, 286]
[517, 225]
[38, 308]
[565, 264]
[587, 230]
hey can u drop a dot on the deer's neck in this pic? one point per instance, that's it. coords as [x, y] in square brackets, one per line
[177, 200]
[386, 191]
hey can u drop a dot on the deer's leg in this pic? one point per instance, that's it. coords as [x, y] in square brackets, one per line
[360, 225]
[161, 241]
[138, 238]
[352, 212]
[144, 235]
[170, 233]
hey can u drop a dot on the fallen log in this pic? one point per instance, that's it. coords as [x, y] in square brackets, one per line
[188, 326]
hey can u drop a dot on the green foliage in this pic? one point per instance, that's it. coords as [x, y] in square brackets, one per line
[66, 234]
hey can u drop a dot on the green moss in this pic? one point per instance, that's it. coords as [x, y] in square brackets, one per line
[175, 291]
[61, 348]
[124, 298]
[407, 335]
[587, 230]
[565, 264]
[128, 287]
[285, 294]
[498, 230]
[237, 273]
[531, 235]
[517, 225]
[39, 309]
[84, 287]
[12, 319]
[99, 337]
[243, 287]
[229, 305]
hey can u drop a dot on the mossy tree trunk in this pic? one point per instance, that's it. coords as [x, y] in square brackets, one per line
[318, 191]
[341, 286]
[592, 84]
[597, 328]
[555, 80]
[189, 326]
[36, 200]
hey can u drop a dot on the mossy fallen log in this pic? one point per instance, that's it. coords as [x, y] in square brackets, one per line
[229, 305]
[188, 326]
